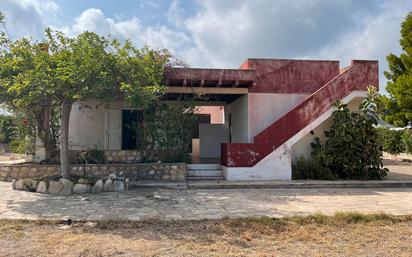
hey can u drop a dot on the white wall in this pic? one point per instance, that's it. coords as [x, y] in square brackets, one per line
[87, 124]
[211, 137]
[86, 127]
[264, 109]
[239, 112]
[303, 148]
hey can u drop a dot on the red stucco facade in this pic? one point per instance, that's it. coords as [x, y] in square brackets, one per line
[322, 80]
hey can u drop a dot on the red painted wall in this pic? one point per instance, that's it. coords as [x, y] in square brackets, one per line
[290, 76]
[358, 76]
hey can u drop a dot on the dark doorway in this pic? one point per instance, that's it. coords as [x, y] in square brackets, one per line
[130, 126]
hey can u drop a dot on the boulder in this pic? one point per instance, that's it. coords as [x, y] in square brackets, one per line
[112, 176]
[118, 186]
[81, 189]
[55, 187]
[19, 185]
[30, 184]
[67, 186]
[108, 186]
[41, 187]
[83, 181]
[97, 188]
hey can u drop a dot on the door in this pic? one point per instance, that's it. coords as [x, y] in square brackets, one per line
[129, 129]
[113, 129]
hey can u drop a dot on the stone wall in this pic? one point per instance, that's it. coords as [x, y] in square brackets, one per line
[122, 156]
[166, 172]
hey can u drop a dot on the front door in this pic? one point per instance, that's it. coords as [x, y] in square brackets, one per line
[113, 129]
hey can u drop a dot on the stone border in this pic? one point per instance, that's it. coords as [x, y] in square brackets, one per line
[165, 172]
[72, 186]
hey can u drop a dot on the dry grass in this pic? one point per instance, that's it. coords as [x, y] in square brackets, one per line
[349, 234]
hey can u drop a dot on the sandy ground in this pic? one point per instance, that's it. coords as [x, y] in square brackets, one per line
[262, 237]
[398, 169]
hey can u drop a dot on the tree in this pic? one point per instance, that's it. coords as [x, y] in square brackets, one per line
[59, 71]
[397, 108]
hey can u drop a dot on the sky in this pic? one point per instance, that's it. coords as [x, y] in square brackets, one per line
[223, 33]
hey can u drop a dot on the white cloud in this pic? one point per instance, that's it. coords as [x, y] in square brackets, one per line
[28, 17]
[223, 33]
[158, 36]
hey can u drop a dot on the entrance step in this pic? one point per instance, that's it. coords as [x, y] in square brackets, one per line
[211, 166]
[204, 173]
[209, 172]
[212, 178]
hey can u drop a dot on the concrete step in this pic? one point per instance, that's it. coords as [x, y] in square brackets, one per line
[211, 178]
[297, 184]
[200, 173]
[213, 166]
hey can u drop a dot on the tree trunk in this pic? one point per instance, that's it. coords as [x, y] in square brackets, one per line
[64, 138]
[43, 122]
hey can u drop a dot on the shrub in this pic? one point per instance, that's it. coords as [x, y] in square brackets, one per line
[391, 140]
[407, 140]
[7, 126]
[351, 150]
[308, 168]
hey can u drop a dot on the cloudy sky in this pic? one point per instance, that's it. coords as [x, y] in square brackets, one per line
[223, 33]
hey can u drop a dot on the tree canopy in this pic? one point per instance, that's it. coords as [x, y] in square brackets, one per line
[37, 77]
[397, 108]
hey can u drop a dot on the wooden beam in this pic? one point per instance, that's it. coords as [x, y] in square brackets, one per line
[208, 90]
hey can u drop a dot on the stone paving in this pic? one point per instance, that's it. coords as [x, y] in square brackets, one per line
[190, 204]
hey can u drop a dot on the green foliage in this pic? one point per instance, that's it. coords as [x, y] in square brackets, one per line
[407, 140]
[397, 108]
[391, 140]
[167, 131]
[307, 168]
[91, 156]
[7, 126]
[352, 149]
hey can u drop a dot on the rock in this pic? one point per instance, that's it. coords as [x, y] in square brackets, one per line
[67, 186]
[118, 186]
[19, 185]
[97, 188]
[126, 182]
[112, 176]
[81, 189]
[83, 181]
[13, 184]
[41, 187]
[55, 187]
[108, 186]
[30, 184]
[90, 224]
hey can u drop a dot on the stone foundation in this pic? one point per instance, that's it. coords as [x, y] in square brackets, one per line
[165, 172]
[122, 156]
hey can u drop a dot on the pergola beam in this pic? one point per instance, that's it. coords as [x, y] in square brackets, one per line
[208, 90]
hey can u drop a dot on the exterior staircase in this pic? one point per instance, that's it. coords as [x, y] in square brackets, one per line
[196, 172]
[357, 77]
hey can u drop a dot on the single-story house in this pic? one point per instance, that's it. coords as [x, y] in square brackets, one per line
[257, 118]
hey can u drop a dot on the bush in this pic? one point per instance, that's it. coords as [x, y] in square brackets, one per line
[7, 127]
[392, 141]
[308, 168]
[407, 140]
[351, 150]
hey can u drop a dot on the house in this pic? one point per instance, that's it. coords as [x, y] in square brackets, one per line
[257, 119]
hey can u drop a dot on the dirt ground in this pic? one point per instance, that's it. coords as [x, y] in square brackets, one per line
[342, 235]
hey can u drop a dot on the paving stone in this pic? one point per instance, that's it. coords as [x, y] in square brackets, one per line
[197, 204]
